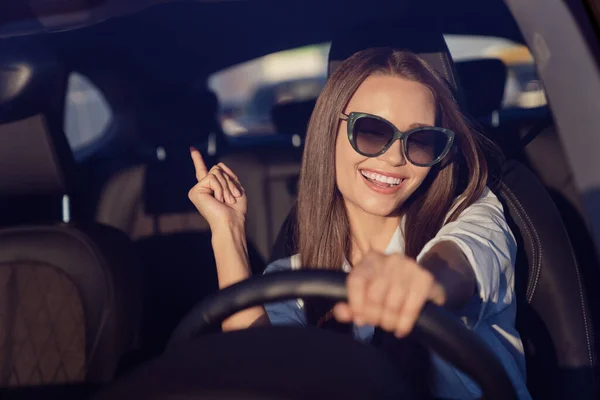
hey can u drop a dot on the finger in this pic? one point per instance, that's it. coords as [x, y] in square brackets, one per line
[228, 170]
[342, 313]
[438, 295]
[393, 304]
[375, 298]
[418, 292]
[235, 186]
[216, 187]
[218, 173]
[199, 165]
[357, 283]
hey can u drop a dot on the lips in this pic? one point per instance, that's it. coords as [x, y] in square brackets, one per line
[381, 178]
[383, 183]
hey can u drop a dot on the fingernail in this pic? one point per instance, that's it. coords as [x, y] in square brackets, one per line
[403, 327]
[237, 192]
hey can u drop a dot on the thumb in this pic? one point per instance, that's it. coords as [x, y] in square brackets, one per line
[437, 295]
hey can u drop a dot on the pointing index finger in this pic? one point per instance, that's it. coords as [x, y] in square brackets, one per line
[201, 170]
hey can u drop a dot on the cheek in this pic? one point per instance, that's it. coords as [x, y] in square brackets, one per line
[346, 160]
[420, 173]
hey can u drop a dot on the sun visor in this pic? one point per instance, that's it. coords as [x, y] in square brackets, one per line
[26, 17]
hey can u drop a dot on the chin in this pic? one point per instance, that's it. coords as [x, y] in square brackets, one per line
[380, 208]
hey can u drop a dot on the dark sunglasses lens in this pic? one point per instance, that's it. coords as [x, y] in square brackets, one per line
[425, 146]
[372, 135]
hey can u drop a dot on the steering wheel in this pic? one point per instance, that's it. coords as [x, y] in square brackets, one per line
[435, 327]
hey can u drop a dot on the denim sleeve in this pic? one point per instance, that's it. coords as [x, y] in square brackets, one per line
[290, 312]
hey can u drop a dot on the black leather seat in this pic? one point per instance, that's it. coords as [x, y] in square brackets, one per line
[554, 317]
[70, 293]
[534, 141]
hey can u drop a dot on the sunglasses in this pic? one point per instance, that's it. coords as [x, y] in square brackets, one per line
[372, 136]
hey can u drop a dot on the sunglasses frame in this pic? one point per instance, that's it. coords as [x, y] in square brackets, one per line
[353, 117]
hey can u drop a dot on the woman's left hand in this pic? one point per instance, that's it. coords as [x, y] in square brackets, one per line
[388, 291]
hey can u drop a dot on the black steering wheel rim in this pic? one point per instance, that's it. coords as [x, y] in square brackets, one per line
[435, 328]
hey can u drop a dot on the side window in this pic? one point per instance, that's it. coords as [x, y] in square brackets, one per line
[87, 113]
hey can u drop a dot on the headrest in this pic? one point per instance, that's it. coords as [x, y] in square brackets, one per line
[292, 118]
[175, 122]
[180, 119]
[32, 160]
[483, 83]
[428, 44]
[35, 157]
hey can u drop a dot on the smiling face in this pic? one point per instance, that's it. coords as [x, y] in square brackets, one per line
[380, 185]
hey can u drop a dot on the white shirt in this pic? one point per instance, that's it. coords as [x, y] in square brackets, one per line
[482, 233]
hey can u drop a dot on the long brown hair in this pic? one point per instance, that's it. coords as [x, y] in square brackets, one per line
[322, 228]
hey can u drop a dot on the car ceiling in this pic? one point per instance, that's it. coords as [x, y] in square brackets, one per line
[178, 42]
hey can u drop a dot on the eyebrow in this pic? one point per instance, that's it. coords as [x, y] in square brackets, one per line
[416, 125]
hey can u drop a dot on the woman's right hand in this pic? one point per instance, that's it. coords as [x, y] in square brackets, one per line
[218, 195]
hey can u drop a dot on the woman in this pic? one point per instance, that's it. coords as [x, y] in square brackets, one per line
[411, 220]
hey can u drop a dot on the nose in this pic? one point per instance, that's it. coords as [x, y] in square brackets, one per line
[394, 155]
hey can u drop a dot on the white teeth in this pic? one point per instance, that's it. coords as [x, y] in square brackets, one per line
[381, 178]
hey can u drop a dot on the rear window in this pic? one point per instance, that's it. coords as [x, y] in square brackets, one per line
[523, 89]
[249, 91]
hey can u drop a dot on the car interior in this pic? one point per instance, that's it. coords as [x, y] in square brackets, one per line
[103, 258]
